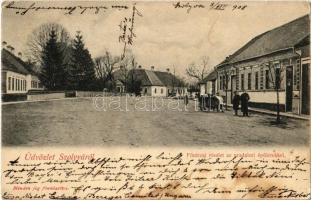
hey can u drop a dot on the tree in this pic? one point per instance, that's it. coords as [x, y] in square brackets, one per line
[38, 39]
[127, 64]
[275, 79]
[53, 73]
[81, 70]
[227, 73]
[133, 83]
[104, 68]
[198, 72]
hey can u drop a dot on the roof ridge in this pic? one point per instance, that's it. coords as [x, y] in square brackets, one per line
[151, 76]
[256, 38]
[19, 61]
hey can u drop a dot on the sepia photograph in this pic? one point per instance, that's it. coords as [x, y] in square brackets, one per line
[155, 100]
[155, 74]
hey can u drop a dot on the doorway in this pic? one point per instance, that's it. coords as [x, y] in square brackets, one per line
[233, 86]
[289, 88]
[305, 89]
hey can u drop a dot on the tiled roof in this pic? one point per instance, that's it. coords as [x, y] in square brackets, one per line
[12, 63]
[169, 79]
[153, 78]
[279, 38]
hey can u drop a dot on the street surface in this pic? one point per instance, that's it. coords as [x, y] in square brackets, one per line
[79, 122]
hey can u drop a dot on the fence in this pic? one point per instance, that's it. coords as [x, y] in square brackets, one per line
[45, 96]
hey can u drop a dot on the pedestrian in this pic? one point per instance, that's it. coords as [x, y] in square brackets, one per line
[220, 103]
[236, 102]
[186, 101]
[244, 103]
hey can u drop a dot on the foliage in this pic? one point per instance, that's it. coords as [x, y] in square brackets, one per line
[53, 72]
[37, 41]
[81, 70]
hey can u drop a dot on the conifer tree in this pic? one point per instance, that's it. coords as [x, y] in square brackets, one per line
[53, 73]
[82, 72]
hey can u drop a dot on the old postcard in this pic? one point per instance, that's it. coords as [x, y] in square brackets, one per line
[155, 100]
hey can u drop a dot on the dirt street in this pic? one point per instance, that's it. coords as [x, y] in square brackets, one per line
[78, 122]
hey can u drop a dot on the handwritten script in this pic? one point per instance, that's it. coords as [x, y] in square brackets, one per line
[68, 10]
[157, 176]
[214, 5]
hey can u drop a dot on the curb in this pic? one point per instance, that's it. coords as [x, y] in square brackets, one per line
[267, 112]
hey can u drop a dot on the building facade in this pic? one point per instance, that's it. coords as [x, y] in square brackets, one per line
[209, 84]
[16, 79]
[273, 66]
[153, 83]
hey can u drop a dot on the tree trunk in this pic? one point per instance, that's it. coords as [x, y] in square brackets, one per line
[226, 99]
[277, 106]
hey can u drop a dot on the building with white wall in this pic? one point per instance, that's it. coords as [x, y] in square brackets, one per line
[278, 54]
[154, 83]
[209, 84]
[16, 78]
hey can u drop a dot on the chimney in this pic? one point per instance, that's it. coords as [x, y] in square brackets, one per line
[168, 70]
[10, 48]
[152, 68]
[4, 43]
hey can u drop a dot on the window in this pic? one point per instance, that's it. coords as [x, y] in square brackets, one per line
[261, 78]
[256, 81]
[213, 87]
[242, 81]
[155, 90]
[25, 85]
[237, 80]
[225, 82]
[161, 90]
[267, 80]
[9, 83]
[17, 83]
[13, 84]
[297, 75]
[249, 81]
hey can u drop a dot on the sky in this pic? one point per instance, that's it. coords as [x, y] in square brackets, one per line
[166, 37]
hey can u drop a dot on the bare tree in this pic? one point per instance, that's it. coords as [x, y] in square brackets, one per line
[127, 64]
[105, 66]
[275, 78]
[198, 72]
[38, 39]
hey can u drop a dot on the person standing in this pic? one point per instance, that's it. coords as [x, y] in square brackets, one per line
[244, 103]
[236, 102]
[186, 101]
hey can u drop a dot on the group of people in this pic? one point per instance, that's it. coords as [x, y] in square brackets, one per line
[243, 99]
[211, 103]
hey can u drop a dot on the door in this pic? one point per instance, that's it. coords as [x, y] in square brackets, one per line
[233, 86]
[305, 89]
[289, 88]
